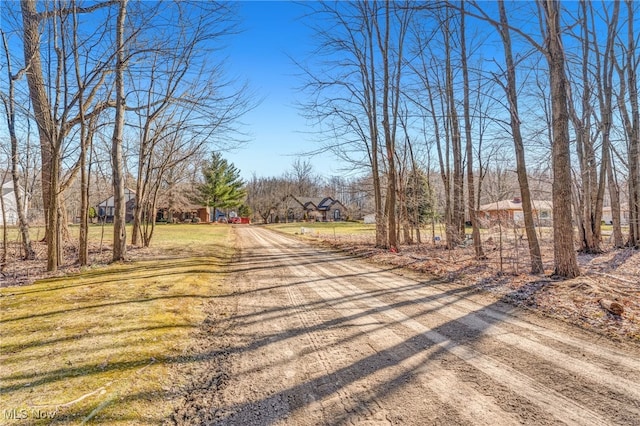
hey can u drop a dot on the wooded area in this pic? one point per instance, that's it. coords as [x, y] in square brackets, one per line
[434, 106]
[556, 65]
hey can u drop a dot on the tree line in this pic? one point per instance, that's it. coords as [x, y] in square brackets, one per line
[399, 87]
[134, 91]
[432, 102]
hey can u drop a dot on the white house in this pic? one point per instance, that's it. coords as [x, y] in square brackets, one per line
[10, 205]
[607, 216]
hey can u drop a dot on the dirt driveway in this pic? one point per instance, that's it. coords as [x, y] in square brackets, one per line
[306, 336]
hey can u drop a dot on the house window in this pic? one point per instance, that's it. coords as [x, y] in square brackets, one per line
[336, 214]
[544, 214]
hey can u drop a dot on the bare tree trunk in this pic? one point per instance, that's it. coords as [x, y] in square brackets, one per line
[119, 218]
[523, 180]
[389, 134]
[566, 264]
[9, 105]
[633, 129]
[590, 188]
[456, 233]
[605, 64]
[85, 173]
[5, 229]
[83, 238]
[368, 69]
[471, 203]
[49, 147]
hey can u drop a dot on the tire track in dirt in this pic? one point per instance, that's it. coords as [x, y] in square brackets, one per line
[319, 338]
[620, 389]
[622, 394]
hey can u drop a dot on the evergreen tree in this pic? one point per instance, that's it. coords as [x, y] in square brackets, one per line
[222, 188]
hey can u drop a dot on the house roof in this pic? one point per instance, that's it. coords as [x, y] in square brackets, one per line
[316, 203]
[515, 205]
[7, 188]
[129, 194]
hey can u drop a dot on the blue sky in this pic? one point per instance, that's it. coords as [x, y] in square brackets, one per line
[272, 33]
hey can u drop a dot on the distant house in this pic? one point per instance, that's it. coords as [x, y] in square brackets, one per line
[607, 216]
[370, 218]
[10, 205]
[105, 209]
[319, 209]
[510, 211]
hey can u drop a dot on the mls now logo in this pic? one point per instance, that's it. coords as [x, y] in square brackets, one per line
[15, 414]
[23, 413]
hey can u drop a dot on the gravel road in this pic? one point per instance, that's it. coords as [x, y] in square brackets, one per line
[307, 336]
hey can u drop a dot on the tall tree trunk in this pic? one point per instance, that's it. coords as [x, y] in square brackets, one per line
[83, 238]
[389, 135]
[471, 203]
[588, 214]
[633, 129]
[368, 70]
[521, 168]
[565, 260]
[456, 233]
[445, 174]
[85, 173]
[604, 82]
[9, 104]
[47, 131]
[119, 218]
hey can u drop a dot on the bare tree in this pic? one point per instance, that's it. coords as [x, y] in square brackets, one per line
[392, 65]
[512, 97]
[56, 112]
[302, 176]
[604, 63]
[564, 253]
[627, 97]
[352, 116]
[471, 197]
[455, 229]
[8, 100]
[263, 196]
[119, 201]
[183, 104]
[566, 264]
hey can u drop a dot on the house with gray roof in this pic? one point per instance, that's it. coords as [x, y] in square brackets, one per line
[320, 209]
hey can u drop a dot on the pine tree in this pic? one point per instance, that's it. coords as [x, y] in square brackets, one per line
[222, 188]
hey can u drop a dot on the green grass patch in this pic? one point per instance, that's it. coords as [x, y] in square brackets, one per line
[102, 346]
[337, 228]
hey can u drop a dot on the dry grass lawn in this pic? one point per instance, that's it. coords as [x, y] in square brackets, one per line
[104, 345]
